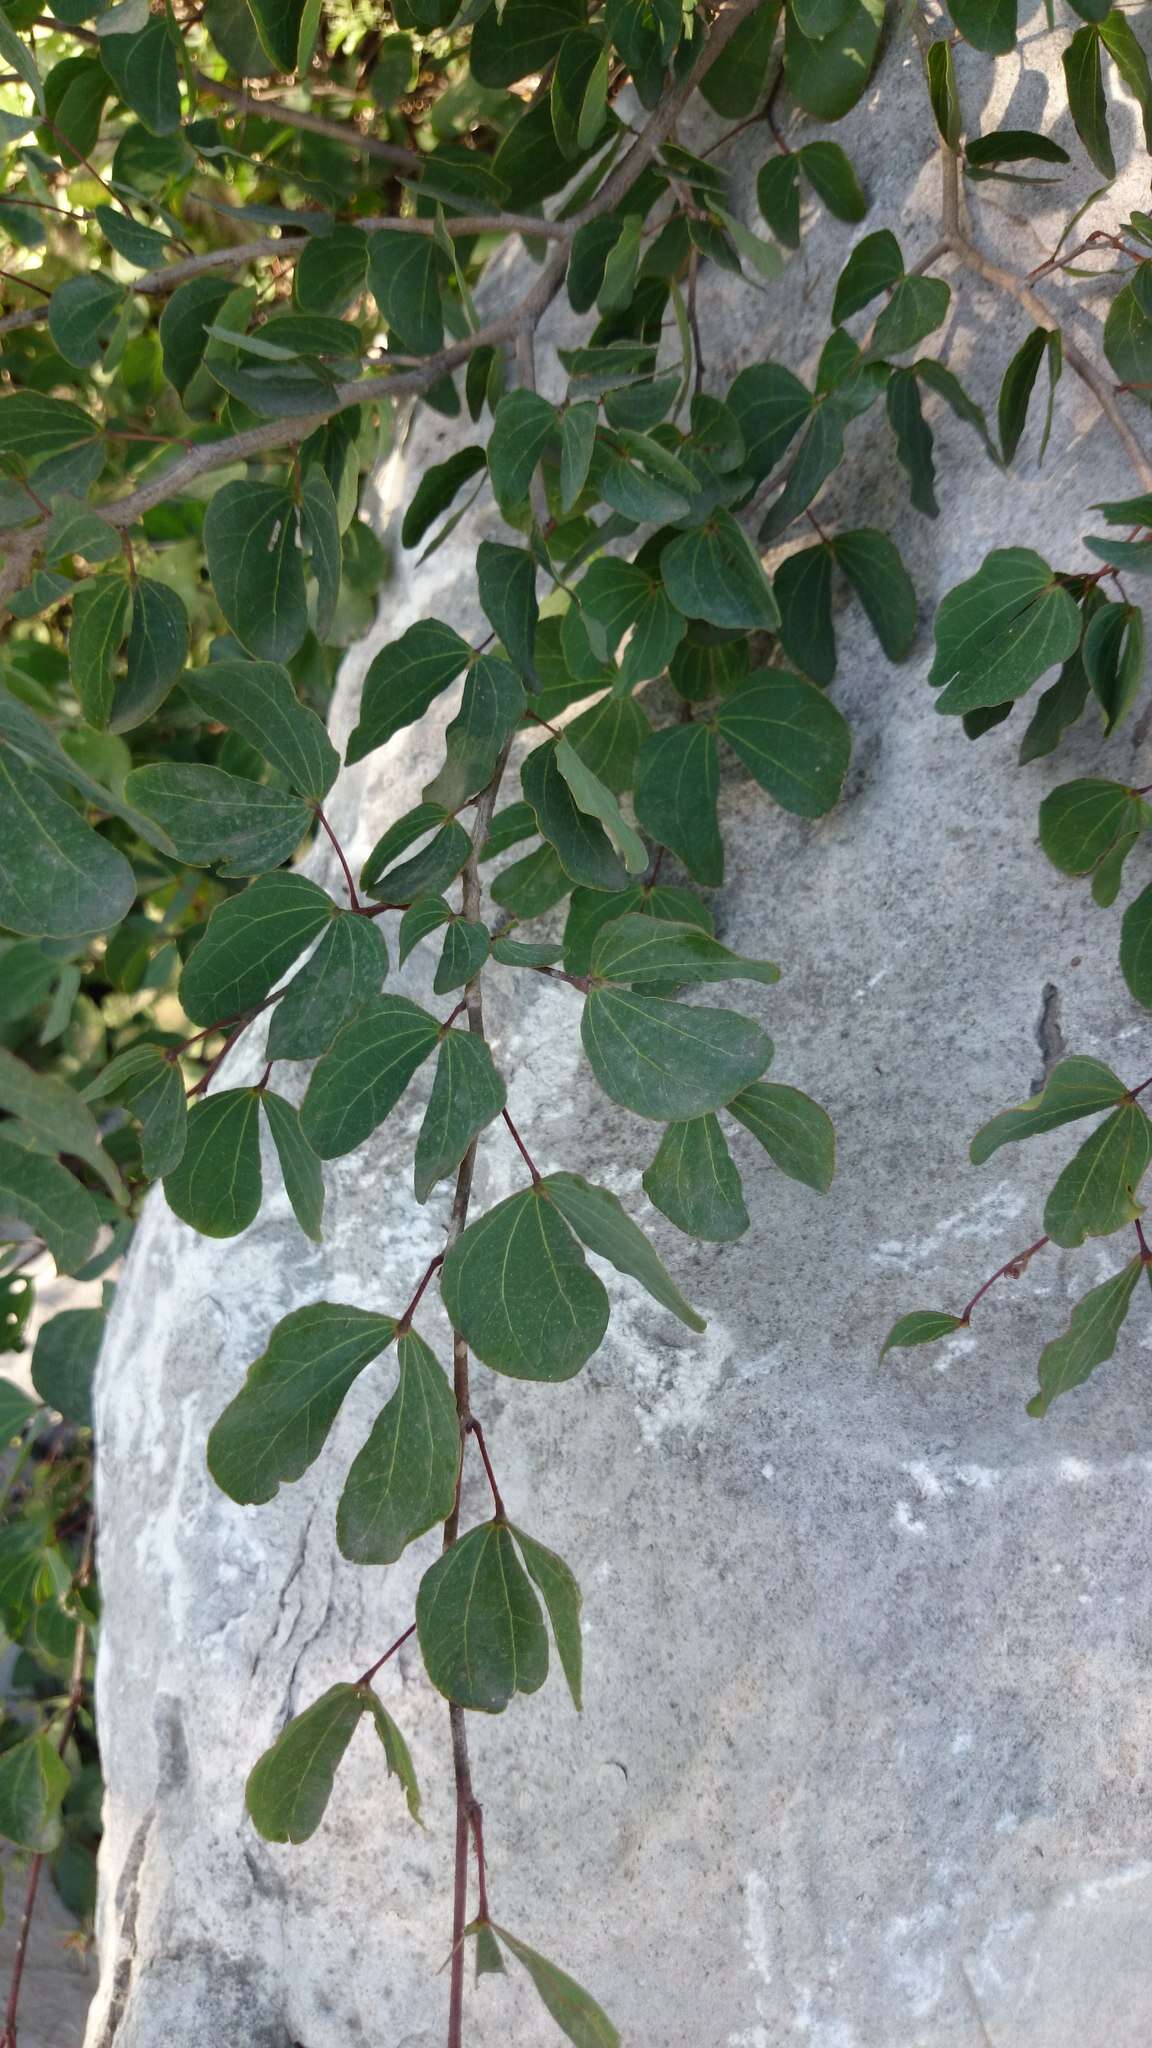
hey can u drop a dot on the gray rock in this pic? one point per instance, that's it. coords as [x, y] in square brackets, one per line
[864, 1752]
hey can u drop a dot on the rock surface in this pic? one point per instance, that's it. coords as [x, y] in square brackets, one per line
[863, 1762]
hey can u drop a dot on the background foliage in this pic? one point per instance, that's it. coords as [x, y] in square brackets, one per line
[240, 240]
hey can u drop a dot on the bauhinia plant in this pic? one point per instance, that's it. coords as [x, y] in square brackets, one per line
[227, 298]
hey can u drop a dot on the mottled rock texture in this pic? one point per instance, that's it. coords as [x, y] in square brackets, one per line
[864, 1757]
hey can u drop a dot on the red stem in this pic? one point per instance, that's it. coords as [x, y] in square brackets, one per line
[353, 898]
[406, 1319]
[524, 1152]
[497, 1502]
[1012, 1267]
[366, 1677]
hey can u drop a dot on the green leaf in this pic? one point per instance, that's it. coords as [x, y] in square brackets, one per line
[140, 246]
[873, 566]
[1016, 390]
[923, 1325]
[55, 1116]
[618, 595]
[1113, 655]
[794, 1131]
[1136, 947]
[989, 25]
[579, 840]
[424, 916]
[522, 427]
[577, 441]
[64, 1361]
[258, 700]
[320, 521]
[677, 781]
[464, 953]
[249, 943]
[668, 1061]
[1077, 1087]
[1096, 1193]
[770, 405]
[303, 1180]
[213, 818]
[82, 316]
[778, 197]
[58, 878]
[1081, 821]
[604, 1225]
[252, 541]
[608, 738]
[693, 1181]
[1086, 102]
[1119, 39]
[43, 1195]
[33, 1783]
[429, 870]
[284, 27]
[576, 2013]
[579, 88]
[481, 1631]
[1089, 1340]
[403, 1481]
[828, 76]
[949, 388]
[517, 1287]
[217, 1185]
[507, 584]
[101, 617]
[803, 587]
[1012, 146]
[332, 987]
[712, 572]
[914, 439]
[18, 57]
[331, 270]
[154, 1093]
[289, 1788]
[531, 886]
[734, 83]
[467, 1093]
[404, 273]
[874, 266]
[396, 1754]
[404, 679]
[278, 1423]
[792, 741]
[16, 1410]
[491, 707]
[359, 1082]
[155, 655]
[524, 37]
[1058, 708]
[436, 490]
[917, 307]
[36, 428]
[596, 801]
[640, 949]
[942, 92]
[563, 1600]
[829, 171]
[489, 1960]
[999, 631]
[144, 70]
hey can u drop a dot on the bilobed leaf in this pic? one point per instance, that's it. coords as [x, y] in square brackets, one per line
[1119, 39]
[517, 1286]
[734, 83]
[289, 1788]
[1011, 146]
[917, 307]
[491, 707]
[1086, 102]
[436, 490]
[43, 1195]
[923, 1325]
[82, 316]
[694, 1182]
[828, 76]
[640, 949]
[713, 573]
[1076, 1087]
[524, 37]
[467, 1093]
[577, 441]
[320, 521]
[999, 631]
[795, 1132]
[101, 617]
[1081, 821]
[217, 1185]
[360, 1080]
[252, 541]
[1136, 947]
[213, 818]
[278, 1423]
[1090, 1338]
[481, 1631]
[575, 2011]
[989, 25]
[873, 566]
[507, 583]
[579, 90]
[1096, 1193]
[33, 1782]
[1112, 651]
[791, 739]
[155, 655]
[820, 452]
[531, 886]
[522, 426]
[258, 700]
[1016, 390]
[303, 1180]
[404, 273]
[154, 1093]
[36, 428]
[601, 1221]
[803, 588]
[58, 878]
[677, 781]
[778, 197]
[404, 679]
[580, 841]
[595, 800]
[344, 972]
[770, 405]
[464, 952]
[424, 916]
[562, 1598]
[914, 439]
[668, 1061]
[830, 173]
[874, 266]
[145, 72]
[618, 595]
[249, 943]
[396, 1755]
[331, 271]
[404, 1479]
